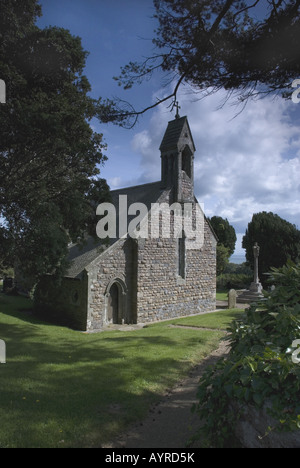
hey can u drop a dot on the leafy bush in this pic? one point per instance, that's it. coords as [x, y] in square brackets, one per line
[234, 281]
[238, 268]
[259, 368]
[279, 241]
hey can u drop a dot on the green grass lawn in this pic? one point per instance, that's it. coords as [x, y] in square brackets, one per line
[63, 388]
[216, 320]
[222, 295]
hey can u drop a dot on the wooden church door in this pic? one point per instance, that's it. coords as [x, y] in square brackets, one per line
[113, 304]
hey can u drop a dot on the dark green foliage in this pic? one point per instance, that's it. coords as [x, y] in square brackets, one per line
[216, 44]
[278, 239]
[226, 241]
[235, 276]
[238, 268]
[222, 258]
[234, 281]
[260, 368]
[49, 154]
[225, 233]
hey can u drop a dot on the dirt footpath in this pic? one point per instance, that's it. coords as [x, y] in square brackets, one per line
[170, 423]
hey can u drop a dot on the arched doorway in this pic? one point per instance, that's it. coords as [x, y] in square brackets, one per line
[113, 304]
[116, 301]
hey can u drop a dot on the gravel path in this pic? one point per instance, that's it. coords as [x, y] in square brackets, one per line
[170, 423]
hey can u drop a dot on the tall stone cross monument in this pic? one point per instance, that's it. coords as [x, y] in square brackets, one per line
[256, 285]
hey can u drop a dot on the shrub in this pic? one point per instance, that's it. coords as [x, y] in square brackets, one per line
[234, 281]
[238, 268]
[260, 366]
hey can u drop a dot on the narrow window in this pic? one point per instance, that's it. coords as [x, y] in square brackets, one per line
[187, 163]
[181, 256]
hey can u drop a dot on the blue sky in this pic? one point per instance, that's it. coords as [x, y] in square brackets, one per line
[245, 162]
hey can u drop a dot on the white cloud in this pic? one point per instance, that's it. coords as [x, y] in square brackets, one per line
[146, 143]
[114, 182]
[245, 162]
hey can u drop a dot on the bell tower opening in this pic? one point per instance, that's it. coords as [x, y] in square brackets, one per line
[177, 160]
[187, 161]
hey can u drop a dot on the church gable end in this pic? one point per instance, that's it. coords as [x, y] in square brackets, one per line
[142, 280]
[175, 280]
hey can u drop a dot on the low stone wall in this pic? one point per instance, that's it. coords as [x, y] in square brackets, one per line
[253, 425]
[63, 304]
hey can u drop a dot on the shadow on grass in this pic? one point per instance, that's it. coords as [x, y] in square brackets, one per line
[64, 388]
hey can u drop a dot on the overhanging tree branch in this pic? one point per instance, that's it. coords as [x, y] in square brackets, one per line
[219, 46]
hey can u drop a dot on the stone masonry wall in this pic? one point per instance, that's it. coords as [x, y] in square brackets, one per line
[253, 426]
[147, 273]
[64, 303]
[186, 187]
[162, 293]
[115, 265]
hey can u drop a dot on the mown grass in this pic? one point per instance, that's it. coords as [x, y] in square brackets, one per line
[62, 388]
[222, 295]
[217, 320]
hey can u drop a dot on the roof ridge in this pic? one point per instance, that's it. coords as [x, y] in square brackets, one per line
[135, 186]
[173, 133]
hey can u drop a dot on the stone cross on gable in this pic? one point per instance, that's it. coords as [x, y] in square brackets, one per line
[177, 116]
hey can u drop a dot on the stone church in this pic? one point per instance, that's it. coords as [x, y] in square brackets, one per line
[138, 280]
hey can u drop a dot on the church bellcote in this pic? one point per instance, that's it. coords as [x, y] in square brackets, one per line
[177, 160]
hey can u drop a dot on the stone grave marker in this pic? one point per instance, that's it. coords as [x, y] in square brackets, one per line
[232, 299]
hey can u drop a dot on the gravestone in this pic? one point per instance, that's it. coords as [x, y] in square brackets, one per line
[232, 299]
[2, 352]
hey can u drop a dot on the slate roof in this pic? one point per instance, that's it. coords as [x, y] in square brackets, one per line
[146, 193]
[81, 257]
[173, 134]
